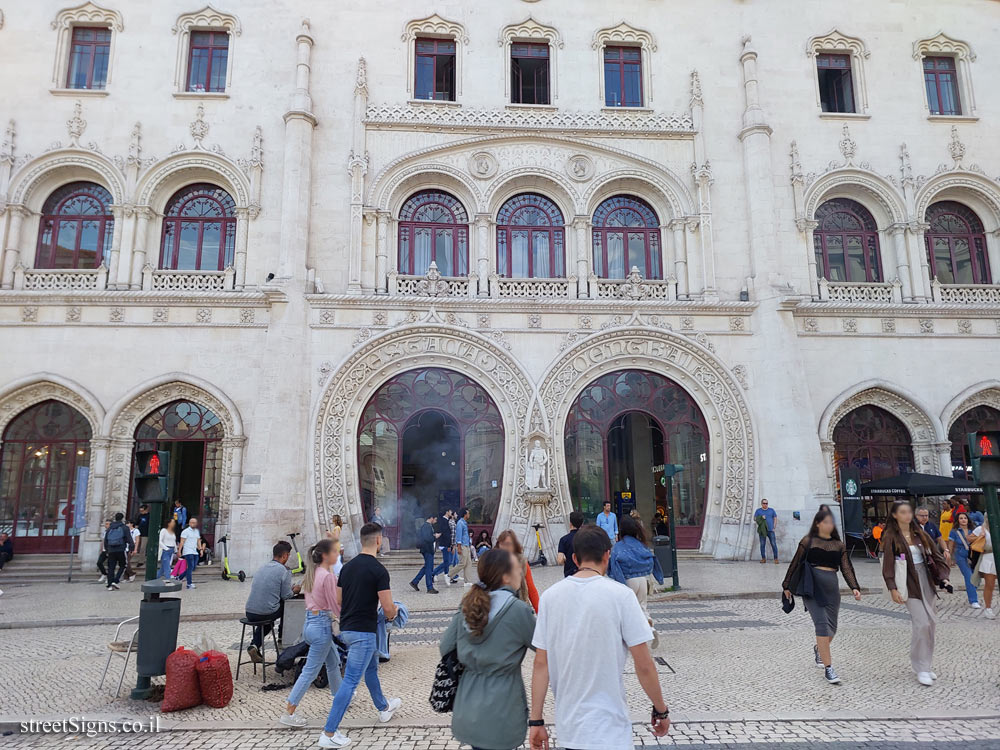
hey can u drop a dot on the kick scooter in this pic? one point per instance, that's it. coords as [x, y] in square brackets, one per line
[226, 572]
[541, 555]
[300, 568]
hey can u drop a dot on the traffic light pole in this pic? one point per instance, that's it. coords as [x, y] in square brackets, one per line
[992, 504]
[153, 540]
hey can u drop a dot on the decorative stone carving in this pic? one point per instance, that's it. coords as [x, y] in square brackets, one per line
[917, 422]
[850, 325]
[848, 147]
[116, 315]
[888, 325]
[361, 79]
[204, 315]
[199, 127]
[161, 314]
[380, 318]
[483, 165]
[247, 315]
[536, 476]
[811, 325]
[986, 397]
[75, 125]
[29, 314]
[696, 97]
[327, 316]
[586, 322]
[740, 373]
[687, 323]
[736, 323]
[795, 166]
[432, 285]
[965, 326]
[905, 167]
[926, 325]
[73, 314]
[623, 33]
[534, 320]
[483, 320]
[956, 148]
[580, 167]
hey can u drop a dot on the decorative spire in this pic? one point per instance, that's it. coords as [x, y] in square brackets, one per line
[257, 148]
[905, 168]
[199, 128]
[135, 146]
[7, 148]
[695, 88]
[75, 125]
[794, 163]
[956, 148]
[361, 85]
[848, 147]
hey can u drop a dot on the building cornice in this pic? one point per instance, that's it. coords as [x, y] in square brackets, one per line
[134, 298]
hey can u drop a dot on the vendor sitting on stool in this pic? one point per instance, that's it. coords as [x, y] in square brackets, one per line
[271, 585]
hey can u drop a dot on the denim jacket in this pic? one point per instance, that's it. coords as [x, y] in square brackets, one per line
[630, 558]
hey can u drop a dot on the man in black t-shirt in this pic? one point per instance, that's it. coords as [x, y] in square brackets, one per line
[362, 586]
[565, 555]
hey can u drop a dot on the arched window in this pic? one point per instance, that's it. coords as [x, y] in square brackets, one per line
[531, 238]
[76, 227]
[846, 242]
[956, 245]
[199, 229]
[433, 226]
[626, 234]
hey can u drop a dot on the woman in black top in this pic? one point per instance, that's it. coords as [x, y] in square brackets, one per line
[813, 575]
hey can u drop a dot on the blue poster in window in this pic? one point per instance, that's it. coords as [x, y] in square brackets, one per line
[80, 497]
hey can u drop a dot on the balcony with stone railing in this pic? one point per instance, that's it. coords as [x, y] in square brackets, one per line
[504, 288]
[965, 294]
[433, 284]
[860, 291]
[632, 287]
[165, 280]
[60, 279]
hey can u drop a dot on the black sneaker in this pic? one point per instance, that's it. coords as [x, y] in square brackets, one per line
[255, 656]
[454, 579]
[831, 676]
[414, 586]
[433, 591]
[819, 662]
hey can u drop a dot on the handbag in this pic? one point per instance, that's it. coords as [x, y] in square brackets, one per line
[787, 603]
[445, 686]
[978, 544]
[900, 577]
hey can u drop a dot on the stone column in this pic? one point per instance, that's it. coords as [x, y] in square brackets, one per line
[993, 253]
[584, 268]
[704, 179]
[919, 268]
[114, 255]
[242, 232]
[483, 224]
[694, 260]
[667, 253]
[943, 451]
[357, 166]
[680, 257]
[143, 215]
[96, 490]
[807, 227]
[381, 251]
[12, 253]
[898, 234]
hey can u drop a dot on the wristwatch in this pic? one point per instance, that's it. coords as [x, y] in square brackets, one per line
[536, 722]
[657, 715]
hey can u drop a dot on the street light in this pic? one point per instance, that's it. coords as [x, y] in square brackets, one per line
[669, 470]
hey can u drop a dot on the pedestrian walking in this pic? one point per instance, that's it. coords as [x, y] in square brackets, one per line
[133, 530]
[270, 586]
[587, 625]
[452, 516]
[444, 542]
[959, 542]
[632, 562]
[363, 585]
[189, 549]
[608, 521]
[921, 568]
[492, 632]
[320, 587]
[102, 558]
[6, 549]
[180, 515]
[425, 545]
[564, 555]
[766, 519]
[813, 575]
[946, 521]
[987, 567]
[378, 518]
[142, 523]
[463, 549]
[118, 545]
[527, 593]
[167, 546]
[932, 529]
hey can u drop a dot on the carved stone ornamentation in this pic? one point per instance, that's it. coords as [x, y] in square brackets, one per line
[888, 325]
[73, 314]
[926, 325]
[326, 317]
[956, 148]
[199, 127]
[247, 315]
[687, 323]
[848, 147]
[737, 323]
[580, 167]
[850, 325]
[161, 314]
[75, 125]
[534, 320]
[29, 314]
[116, 315]
[965, 326]
[432, 285]
[811, 325]
[204, 315]
[483, 165]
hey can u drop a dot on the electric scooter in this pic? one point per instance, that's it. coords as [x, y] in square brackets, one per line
[300, 568]
[541, 555]
[226, 572]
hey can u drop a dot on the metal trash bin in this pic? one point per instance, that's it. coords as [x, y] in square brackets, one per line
[159, 618]
[661, 548]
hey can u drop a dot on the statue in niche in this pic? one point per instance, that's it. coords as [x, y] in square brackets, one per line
[538, 459]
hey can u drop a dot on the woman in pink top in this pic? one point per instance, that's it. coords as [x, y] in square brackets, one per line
[320, 587]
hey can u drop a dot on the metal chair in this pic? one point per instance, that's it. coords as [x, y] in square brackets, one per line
[124, 649]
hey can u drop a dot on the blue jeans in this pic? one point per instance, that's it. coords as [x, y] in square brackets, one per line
[192, 563]
[318, 635]
[165, 557]
[445, 563]
[763, 547]
[362, 660]
[962, 560]
[425, 571]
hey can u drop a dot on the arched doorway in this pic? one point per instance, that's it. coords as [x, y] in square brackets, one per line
[44, 471]
[620, 432]
[192, 436]
[430, 439]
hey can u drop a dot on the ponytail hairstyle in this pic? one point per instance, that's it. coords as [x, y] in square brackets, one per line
[313, 558]
[493, 565]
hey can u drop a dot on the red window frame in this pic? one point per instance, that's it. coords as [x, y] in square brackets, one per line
[509, 219]
[435, 54]
[611, 217]
[615, 57]
[840, 63]
[529, 51]
[974, 237]
[410, 224]
[175, 219]
[91, 47]
[867, 232]
[53, 218]
[212, 45]
[935, 69]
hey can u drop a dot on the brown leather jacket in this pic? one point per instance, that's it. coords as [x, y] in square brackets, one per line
[937, 568]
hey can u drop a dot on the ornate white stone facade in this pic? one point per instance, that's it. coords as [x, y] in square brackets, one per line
[319, 141]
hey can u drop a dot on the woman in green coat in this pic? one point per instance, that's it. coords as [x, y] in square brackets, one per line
[491, 632]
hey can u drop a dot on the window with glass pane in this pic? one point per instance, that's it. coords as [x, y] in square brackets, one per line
[435, 70]
[626, 234]
[956, 245]
[433, 226]
[76, 227]
[207, 61]
[530, 238]
[846, 242]
[941, 81]
[529, 73]
[199, 230]
[836, 86]
[622, 77]
[90, 49]
[874, 442]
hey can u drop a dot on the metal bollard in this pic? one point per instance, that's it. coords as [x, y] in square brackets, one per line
[159, 618]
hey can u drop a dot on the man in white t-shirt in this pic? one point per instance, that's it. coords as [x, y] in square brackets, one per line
[586, 625]
[189, 550]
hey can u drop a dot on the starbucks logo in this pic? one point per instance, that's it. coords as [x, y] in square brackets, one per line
[851, 486]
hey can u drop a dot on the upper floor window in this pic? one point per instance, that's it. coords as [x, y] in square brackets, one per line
[76, 227]
[846, 242]
[199, 229]
[836, 83]
[941, 81]
[529, 73]
[433, 226]
[626, 234]
[90, 50]
[956, 245]
[435, 69]
[208, 58]
[531, 241]
[623, 77]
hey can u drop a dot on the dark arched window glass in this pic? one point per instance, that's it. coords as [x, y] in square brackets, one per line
[433, 226]
[199, 230]
[626, 234]
[956, 245]
[76, 227]
[531, 238]
[846, 242]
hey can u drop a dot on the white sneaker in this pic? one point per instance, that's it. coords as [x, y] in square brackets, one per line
[293, 720]
[102, 579]
[338, 740]
[924, 678]
[976, 605]
[394, 704]
[933, 676]
[131, 579]
[191, 586]
[990, 614]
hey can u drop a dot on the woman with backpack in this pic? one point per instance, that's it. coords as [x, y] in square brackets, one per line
[320, 587]
[491, 633]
